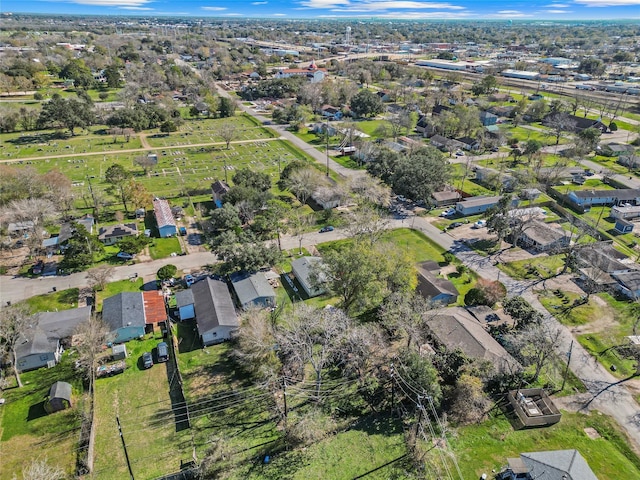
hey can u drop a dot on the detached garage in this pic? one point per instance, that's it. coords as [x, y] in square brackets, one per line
[59, 397]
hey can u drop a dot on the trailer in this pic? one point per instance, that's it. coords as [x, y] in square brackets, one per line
[111, 369]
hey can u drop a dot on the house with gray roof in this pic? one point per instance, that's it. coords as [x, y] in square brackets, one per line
[124, 315]
[542, 237]
[114, 233]
[43, 344]
[455, 329]
[302, 268]
[628, 283]
[215, 313]
[549, 465]
[185, 304]
[436, 289]
[252, 290]
[589, 198]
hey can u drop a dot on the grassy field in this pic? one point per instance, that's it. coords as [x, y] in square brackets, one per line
[481, 448]
[164, 247]
[26, 427]
[52, 302]
[540, 267]
[562, 307]
[140, 399]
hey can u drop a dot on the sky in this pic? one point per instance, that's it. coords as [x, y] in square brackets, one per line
[379, 9]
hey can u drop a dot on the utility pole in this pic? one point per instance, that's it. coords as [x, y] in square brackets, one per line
[327, 149]
[566, 370]
[124, 445]
[284, 396]
[393, 389]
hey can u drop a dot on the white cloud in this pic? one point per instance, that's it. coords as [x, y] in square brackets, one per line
[233, 14]
[214, 9]
[259, 3]
[558, 5]
[378, 5]
[135, 8]
[510, 14]
[279, 14]
[608, 3]
[112, 3]
[556, 12]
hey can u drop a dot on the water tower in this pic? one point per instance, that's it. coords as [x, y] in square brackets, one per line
[347, 39]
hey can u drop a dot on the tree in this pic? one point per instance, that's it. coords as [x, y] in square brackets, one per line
[256, 180]
[531, 148]
[405, 311]
[498, 221]
[226, 108]
[366, 103]
[91, 338]
[118, 177]
[133, 245]
[77, 71]
[136, 194]
[39, 211]
[229, 132]
[534, 345]
[112, 75]
[487, 85]
[558, 123]
[167, 272]
[470, 403]
[98, 277]
[537, 110]
[82, 249]
[486, 292]
[225, 218]
[145, 161]
[254, 346]
[521, 311]
[15, 323]
[65, 112]
[592, 66]
[587, 140]
[418, 371]
[40, 469]
[312, 336]
[420, 173]
[361, 274]
[303, 182]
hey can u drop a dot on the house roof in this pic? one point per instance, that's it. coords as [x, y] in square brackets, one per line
[60, 390]
[219, 187]
[558, 465]
[603, 256]
[467, 140]
[543, 234]
[621, 194]
[630, 280]
[124, 309]
[114, 231]
[456, 329]
[251, 286]
[184, 298]
[438, 109]
[35, 341]
[477, 201]
[154, 309]
[162, 210]
[302, 267]
[447, 195]
[431, 286]
[213, 305]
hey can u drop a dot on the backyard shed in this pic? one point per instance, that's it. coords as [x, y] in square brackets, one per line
[185, 304]
[59, 397]
[119, 352]
[253, 290]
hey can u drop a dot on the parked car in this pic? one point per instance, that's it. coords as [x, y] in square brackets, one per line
[147, 360]
[183, 231]
[456, 225]
[125, 256]
[495, 149]
[459, 153]
[479, 224]
[189, 280]
[328, 228]
[163, 352]
[449, 212]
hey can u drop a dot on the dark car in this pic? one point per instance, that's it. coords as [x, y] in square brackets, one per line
[163, 352]
[328, 228]
[147, 360]
[455, 225]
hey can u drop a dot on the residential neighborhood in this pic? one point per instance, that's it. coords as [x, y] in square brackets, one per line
[291, 247]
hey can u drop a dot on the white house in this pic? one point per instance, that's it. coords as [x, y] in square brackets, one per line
[215, 314]
[302, 268]
[185, 304]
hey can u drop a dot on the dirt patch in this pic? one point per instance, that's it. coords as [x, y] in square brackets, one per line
[602, 322]
[565, 283]
[592, 433]
[13, 259]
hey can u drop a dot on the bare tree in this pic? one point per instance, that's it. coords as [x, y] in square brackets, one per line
[39, 211]
[256, 345]
[299, 224]
[371, 189]
[98, 277]
[40, 469]
[15, 322]
[558, 123]
[91, 338]
[535, 345]
[229, 132]
[408, 312]
[365, 222]
[303, 182]
[145, 161]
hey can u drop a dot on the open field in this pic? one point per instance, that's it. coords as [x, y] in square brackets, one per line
[26, 427]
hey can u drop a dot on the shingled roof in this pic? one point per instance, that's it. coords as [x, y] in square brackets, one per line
[162, 210]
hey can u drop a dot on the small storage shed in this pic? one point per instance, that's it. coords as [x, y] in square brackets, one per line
[59, 397]
[119, 352]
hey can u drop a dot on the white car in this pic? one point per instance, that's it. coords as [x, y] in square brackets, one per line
[479, 224]
[448, 213]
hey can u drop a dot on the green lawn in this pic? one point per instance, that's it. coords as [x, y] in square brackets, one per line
[26, 428]
[52, 302]
[140, 399]
[562, 307]
[540, 267]
[481, 448]
[114, 288]
[164, 247]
